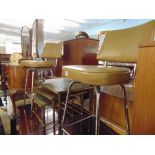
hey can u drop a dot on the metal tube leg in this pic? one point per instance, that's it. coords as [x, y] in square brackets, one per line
[126, 110]
[27, 73]
[97, 125]
[59, 113]
[54, 117]
[91, 109]
[66, 103]
[44, 121]
[82, 103]
[32, 87]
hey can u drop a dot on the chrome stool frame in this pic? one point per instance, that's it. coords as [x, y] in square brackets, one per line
[31, 93]
[97, 115]
[81, 102]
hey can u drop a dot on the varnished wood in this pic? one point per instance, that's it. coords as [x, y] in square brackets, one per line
[112, 108]
[58, 68]
[144, 105]
[147, 44]
[16, 76]
[78, 51]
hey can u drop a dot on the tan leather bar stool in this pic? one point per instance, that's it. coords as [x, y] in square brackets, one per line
[118, 46]
[51, 52]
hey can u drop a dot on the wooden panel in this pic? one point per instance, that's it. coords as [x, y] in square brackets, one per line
[77, 50]
[147, 44]
[72, 54]
[16, 79]
[89, 59]
[16, 76]
[112, 108]
[144, 105]
[80, 51]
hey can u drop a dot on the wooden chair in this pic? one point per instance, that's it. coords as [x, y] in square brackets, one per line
[118, 46]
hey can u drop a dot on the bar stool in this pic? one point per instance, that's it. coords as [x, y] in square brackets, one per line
[51, 52]
[118, 46]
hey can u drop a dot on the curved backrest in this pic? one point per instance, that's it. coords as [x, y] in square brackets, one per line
[52, 50]
[122, 45]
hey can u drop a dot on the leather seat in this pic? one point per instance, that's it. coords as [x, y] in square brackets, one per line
[36, 64]
[97, 75]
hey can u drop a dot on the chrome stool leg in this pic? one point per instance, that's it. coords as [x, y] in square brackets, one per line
[126, 110]
[66, 103]
[26, 82]
[54, 127]
[97, 123]
[27, 73]
[34, 70]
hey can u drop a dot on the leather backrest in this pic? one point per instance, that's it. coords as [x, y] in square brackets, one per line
[122, 45]
[52, 50]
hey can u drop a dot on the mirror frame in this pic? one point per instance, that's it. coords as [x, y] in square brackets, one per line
[26, 52]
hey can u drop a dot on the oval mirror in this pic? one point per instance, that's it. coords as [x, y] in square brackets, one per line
[25, 42]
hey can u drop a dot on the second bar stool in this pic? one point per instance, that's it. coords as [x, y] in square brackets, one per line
[51, 52]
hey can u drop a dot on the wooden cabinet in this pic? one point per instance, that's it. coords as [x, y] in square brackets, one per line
[80, 51]
[143, 121]
[16, 76]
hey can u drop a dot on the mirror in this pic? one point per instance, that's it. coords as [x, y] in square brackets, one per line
[37, 38]
[26, 42]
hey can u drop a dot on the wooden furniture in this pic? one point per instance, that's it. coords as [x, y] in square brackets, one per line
[143, 121]
[112, 112]
[16, 75]
[80, 51]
